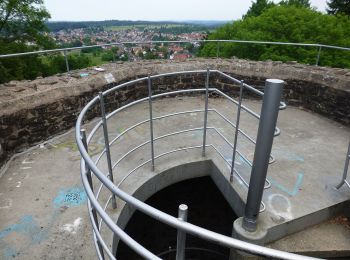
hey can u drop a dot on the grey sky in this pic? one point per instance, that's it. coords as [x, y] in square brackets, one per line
[151, 10]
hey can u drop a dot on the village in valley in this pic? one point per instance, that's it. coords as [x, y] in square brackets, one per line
[130, 35]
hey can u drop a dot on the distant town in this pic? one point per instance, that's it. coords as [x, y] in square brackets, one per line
[99, 34]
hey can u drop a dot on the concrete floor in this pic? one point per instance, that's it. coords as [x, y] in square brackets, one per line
[43, 213]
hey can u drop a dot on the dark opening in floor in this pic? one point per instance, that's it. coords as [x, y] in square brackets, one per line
[206, 208]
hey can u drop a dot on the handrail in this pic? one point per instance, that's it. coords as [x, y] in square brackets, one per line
[182, 41]
[88, 166]
[345, 172]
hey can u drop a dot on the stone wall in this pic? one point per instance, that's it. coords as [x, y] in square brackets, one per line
[32, 111]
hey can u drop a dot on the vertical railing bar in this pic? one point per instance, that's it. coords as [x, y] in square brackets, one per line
[206, 111]
[66, 58]
[318, 55]
[346, 168]
[181, 235]
[108, 151]
[217, 49]
[89, 177]
[239, 106]
[151, 118]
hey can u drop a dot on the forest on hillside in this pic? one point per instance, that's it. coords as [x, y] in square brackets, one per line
[289, 21]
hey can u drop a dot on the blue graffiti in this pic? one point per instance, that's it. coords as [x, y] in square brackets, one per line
[10, 253]
[70, 197]
[26, 226]
[295, 190]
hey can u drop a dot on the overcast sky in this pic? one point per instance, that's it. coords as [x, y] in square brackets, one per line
[151, 10]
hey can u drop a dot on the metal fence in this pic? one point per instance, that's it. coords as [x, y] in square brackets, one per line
[91, 168]
[65, 51]
[345, 172]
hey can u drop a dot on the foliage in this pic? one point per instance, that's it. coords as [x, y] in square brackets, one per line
[286, 23]
[109, 55]
[339, 7]
[21, 27]
[258, 8]
[297, 3]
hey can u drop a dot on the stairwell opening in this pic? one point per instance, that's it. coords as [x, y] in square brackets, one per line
[207, 208]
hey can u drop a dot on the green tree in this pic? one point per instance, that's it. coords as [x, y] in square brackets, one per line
[298, 3]
[285, 24]
[339, 7]
[22, 29]
[258, 8]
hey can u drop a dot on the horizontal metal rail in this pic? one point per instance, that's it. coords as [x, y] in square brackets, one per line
[187, 41]
[183, 226]
[161, 216]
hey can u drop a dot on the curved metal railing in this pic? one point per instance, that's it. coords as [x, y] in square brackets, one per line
[90, 169]
[345, 171]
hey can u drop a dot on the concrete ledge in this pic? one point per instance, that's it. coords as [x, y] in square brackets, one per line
[34, 111]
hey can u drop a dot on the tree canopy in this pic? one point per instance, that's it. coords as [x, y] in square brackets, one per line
[285, 23]
[258, 7]
[297, 3]
[23, 29]
[339, 7]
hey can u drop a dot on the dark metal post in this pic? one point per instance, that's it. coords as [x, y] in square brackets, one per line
[181, 235]
[108, 152]
[318, 55]
[267, 124]
[88, 175]
[206, 112]
[345, 172]
[239, 106]
[66, 58]
[151, 118]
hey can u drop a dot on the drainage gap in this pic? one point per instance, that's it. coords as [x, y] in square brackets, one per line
[207, 209]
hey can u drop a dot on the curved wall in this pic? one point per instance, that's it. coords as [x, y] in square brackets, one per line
[33, 111]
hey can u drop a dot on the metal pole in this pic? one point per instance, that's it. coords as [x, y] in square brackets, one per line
[205, 112]
[181, 235]
[151, 118]
[267, 124]
[345, 172]
[88, 175]
[66, 58]
[108, 152]
[217, 49]
[318, 55]
[239, 106]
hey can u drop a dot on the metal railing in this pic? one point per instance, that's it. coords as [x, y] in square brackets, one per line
[90, 170]
[66, 50]
[345, 172]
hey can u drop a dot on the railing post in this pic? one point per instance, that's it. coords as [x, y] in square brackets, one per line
[206, 112]
[318, 55]
[217, 49]
[151, 118]
[181, 235]
[66, 58]
[108, 152]
[239, 106]
[346, 168]
[89, 177]
[267, 124]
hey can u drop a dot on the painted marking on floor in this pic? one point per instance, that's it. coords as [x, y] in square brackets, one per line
[296, 188]
[27, 162]
[70, 197]
[72, 228]
[25, 168]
